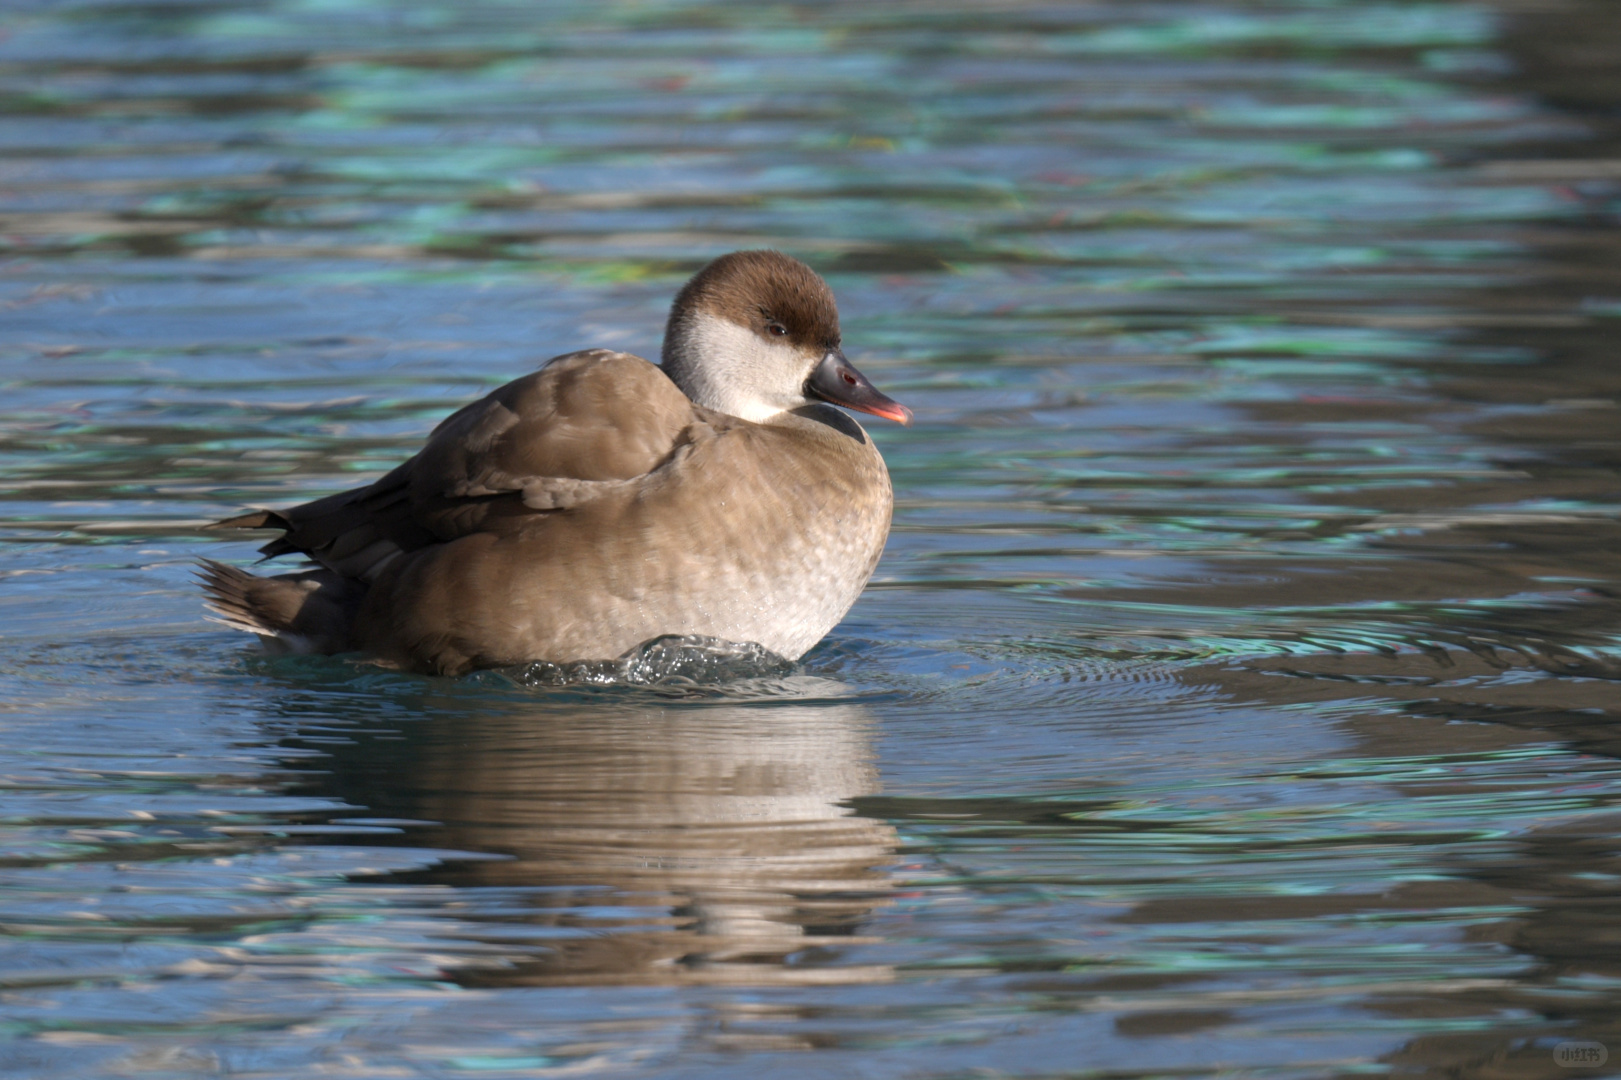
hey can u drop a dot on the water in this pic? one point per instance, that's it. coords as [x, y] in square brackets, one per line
[1237, 695]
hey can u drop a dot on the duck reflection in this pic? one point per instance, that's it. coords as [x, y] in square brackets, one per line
[644, 843]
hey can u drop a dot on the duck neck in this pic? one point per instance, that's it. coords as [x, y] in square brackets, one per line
[721, 366]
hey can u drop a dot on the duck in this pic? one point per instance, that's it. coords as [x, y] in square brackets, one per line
[602, 502]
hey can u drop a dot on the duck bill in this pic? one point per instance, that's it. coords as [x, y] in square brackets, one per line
[836, 381]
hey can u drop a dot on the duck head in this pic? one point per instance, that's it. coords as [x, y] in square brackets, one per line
[756, 334]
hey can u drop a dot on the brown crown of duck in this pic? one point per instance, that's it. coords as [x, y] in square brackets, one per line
[601, 502]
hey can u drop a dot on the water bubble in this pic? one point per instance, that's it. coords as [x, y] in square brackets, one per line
[673, 660]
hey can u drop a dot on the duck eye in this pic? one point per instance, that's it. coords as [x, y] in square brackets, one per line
[776, 329]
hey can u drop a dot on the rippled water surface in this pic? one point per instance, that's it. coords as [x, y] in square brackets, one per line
[1237, 695]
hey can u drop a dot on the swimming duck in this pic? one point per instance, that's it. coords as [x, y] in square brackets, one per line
[602, 501]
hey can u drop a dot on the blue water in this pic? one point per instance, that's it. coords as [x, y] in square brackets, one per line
[1237, 694]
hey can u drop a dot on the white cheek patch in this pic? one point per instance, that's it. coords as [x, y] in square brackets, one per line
[736, 371]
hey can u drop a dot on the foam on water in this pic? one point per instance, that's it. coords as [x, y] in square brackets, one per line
[674, 661]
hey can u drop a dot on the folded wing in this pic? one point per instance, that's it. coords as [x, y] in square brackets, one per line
[586, 423]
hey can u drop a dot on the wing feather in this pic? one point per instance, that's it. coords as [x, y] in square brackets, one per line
[585, 424]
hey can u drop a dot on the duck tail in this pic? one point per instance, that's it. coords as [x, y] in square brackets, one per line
[311, 612]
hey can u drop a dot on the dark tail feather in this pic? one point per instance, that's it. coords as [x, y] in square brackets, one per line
[357, 533]
[253, 519]
[262, 519]
[312, 612]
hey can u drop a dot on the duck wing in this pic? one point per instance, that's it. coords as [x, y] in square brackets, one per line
[585, 424]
